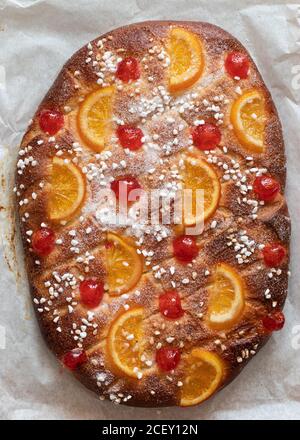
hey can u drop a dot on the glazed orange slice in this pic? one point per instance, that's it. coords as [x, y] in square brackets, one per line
[94, 117]
[125, 342]
[226, 297]
[186, 56]
[204, 372]
[124, 265]
[200, 175]
[67, 189]
[248, 117]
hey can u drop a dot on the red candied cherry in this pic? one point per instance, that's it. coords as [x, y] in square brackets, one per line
[108, 245]
[43, 241]
[167, 358]
[91, 292]
[130, 183]
[237, 64]
[74, 358]
[185, 248]
[51, 121]
[128, 69]
[130, 137]
[266, 188]
[274, 321]
[170, 305]
[206, 136]
[273, 254]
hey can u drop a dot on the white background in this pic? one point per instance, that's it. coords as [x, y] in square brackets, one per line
[36, 38]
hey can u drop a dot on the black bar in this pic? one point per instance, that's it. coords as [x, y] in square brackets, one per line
[133, 429]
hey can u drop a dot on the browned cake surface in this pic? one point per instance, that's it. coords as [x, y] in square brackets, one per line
[239, 218]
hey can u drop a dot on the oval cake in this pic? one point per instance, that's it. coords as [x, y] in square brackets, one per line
[158, 313]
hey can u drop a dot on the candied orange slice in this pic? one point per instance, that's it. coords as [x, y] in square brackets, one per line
[125, 342]
[226, 297]
[200, 175]
[67, 189]
[94, 117]
[204, 372]
[248, 117]
[186, 56]
[124, 265]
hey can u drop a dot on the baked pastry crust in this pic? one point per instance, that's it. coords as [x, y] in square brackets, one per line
[61, 315]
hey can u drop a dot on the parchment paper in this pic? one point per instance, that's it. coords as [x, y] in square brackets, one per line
[36, 38]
